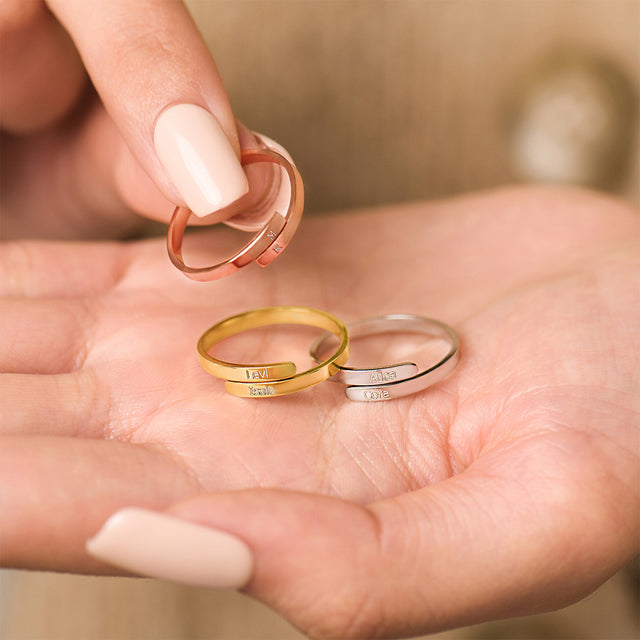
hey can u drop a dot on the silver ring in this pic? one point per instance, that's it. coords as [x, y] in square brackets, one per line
[395, 380]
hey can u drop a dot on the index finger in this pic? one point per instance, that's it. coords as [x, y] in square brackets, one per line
[160, 84]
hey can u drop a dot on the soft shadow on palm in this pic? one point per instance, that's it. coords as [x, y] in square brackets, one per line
[536, 284]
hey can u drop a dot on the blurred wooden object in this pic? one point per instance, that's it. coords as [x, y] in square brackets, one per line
[378, 101]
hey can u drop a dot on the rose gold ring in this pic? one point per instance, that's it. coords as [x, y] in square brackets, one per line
[265, 246]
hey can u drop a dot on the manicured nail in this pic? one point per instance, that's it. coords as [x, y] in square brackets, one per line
[199, 158]
[159, 546]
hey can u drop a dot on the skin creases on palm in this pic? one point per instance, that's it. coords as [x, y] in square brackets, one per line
[541, 286]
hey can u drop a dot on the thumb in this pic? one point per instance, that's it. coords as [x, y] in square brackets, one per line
[456, 553]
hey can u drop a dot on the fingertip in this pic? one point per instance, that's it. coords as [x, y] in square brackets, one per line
[157, 545]
[137, 190]
[269, 190]
[159, 83]
[199, 158]
[316, 557]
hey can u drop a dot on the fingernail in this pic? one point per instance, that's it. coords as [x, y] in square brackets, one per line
[199, 158]
[159, 546]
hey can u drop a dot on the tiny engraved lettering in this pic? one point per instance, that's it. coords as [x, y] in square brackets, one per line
[256, 374]
[265, 390]
[377, 394]
[271, 234]
[382, 376]
[277, 248]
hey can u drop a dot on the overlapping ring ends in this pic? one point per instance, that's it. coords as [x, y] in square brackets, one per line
[278, 378]
[330, 352]
[390, 381]
[265, 246]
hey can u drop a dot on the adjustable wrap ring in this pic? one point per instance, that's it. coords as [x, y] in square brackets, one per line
[265, 246]
[395, 380]
[272, 379]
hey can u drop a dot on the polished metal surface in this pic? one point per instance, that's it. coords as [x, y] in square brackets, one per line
[265, 246]
[265, 380]
[391, 381]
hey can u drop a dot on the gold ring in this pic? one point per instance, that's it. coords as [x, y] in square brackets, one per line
[272, 379]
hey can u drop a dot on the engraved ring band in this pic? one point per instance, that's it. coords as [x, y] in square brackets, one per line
[273, 379]
[395, 380]
[265, 246]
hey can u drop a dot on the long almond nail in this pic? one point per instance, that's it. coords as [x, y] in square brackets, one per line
[199, 158]
[159, 546]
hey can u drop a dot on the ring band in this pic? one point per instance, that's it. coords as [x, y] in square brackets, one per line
[273, 379]
[265, 246]
[396, 380]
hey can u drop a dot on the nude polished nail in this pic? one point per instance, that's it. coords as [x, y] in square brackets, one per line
[199, 158]
[159, 546]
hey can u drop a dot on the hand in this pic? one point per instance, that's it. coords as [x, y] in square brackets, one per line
[509, 488]
[77, 164]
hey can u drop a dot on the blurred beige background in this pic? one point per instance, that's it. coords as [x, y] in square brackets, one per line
[393, 100]
[378, 101]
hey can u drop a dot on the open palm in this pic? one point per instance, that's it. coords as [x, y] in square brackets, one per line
[510, 487]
